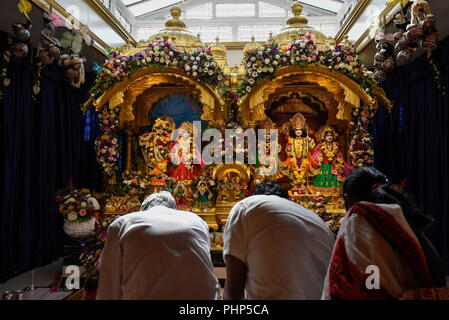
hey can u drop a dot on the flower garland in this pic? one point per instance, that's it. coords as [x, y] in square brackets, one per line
[74, 205]
[108, 120]
[200, 64]
[108, 153]
[260, 63]
[361, 150]
[161, 154]
[329, 154]
[263, 62]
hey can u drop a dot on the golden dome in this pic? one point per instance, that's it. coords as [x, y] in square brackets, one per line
[297, 27]
[175, 31]
[251, 46]
[219, 52]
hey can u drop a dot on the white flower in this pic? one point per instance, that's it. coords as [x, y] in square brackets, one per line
[270, 69]
[275, 63]
[255, 74]
[187, 68]
[297, 59]
[194, 73]
[156, 48]
[162, 60]
[248, 88]
[219, 77]
[207, 64]
[211, 72]
[253, 59]
[83, 205]
[198, 58]
[213, 64]
[72, 216]
[277, 57]
[265, 69]
[288, 53]
[260, 69]
[70, 200]
[251, 81]
[292, 61]
[206, 69]
[170, 53]
[302, 45]
[157, 53]
[260, 52]
[194, 67]
[255, 66]
[267, 61]
[309, 59]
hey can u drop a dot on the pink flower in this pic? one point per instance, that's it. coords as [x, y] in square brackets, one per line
[167, 57]
[110, 150]
[110, 159]
[303, 57]
[349, 58]
[156, 59]
[313, 58]
[114, 141]
[105, 121]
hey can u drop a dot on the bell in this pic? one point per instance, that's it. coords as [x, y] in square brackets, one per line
[19, 49]
[398, 35]
[403, 56]
[401, 44]
[380, 75]
[414, 33]
[428, 24]
[429, 42]
[379, 57]
[388, 64]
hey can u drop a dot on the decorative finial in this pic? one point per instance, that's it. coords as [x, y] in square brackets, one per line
[217, 39]
[175, 22]
[165, 37]
[297, 19]
[270, 38]
[253, 39]
[199, 36]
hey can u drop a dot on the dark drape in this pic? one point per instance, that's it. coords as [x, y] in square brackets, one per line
[44, 144]
[412, 142]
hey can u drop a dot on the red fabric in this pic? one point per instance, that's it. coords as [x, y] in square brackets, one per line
[347, 282]
[391, 230]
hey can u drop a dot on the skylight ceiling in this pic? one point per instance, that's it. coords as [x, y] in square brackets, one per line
[145, 7]
[139, 8]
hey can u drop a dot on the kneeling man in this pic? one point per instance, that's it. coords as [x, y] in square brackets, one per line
[158, 253]
[275, 248]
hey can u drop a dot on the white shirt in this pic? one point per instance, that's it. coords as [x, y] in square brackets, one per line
[285, 247]
[161, 253]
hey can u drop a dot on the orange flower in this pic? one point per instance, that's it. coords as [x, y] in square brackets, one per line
[61, 209]
[83, 212]
[71, 208]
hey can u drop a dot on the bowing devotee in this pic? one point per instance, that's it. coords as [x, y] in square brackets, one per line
[159, 253]
[275, 248]
[381, 251]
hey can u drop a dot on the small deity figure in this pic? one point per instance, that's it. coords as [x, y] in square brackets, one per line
[156, 144]
[298, 149]
[183, 169]
[203, 197]
[180, 194]
[232, 187]
[329, 169]
[267, 165]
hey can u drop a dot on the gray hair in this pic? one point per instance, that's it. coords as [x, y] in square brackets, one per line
[163, 198]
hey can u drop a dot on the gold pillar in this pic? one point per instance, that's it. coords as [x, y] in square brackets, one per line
[128, 148]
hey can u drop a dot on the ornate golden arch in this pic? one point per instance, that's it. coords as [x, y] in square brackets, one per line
[125, 93]
[346, 92]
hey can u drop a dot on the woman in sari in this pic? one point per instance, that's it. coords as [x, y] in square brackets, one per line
[382, 237]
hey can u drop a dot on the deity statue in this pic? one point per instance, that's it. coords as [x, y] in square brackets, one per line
[268, 169]
[183, 169]
[203, 197]
[233, 187]
[155, 146]
[329, 169]
[298, 148]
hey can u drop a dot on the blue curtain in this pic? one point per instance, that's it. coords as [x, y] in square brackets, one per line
[44, 144]
[412, 142]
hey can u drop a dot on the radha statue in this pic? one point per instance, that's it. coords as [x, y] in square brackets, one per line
[183, 168]
[329, 168]
[298, 148]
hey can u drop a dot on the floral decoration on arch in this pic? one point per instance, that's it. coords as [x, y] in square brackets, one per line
[263, 62]
[200, 64]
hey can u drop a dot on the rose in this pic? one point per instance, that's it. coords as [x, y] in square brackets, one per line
[72, 216]
[82, 212]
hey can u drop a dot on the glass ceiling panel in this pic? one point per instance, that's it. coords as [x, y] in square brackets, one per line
[151, 5]
[128, 2]
[324, 4]
[364, 22]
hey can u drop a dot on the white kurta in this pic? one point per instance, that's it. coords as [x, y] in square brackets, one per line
[157, 254]
[285, 247]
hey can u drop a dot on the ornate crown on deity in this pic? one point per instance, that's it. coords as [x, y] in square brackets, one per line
[188, 126]
[324, 130]
[267, 124]
[164, 123]
[298, 121]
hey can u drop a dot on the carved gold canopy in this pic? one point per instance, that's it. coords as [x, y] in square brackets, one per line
[337, 92]
[126, 93]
